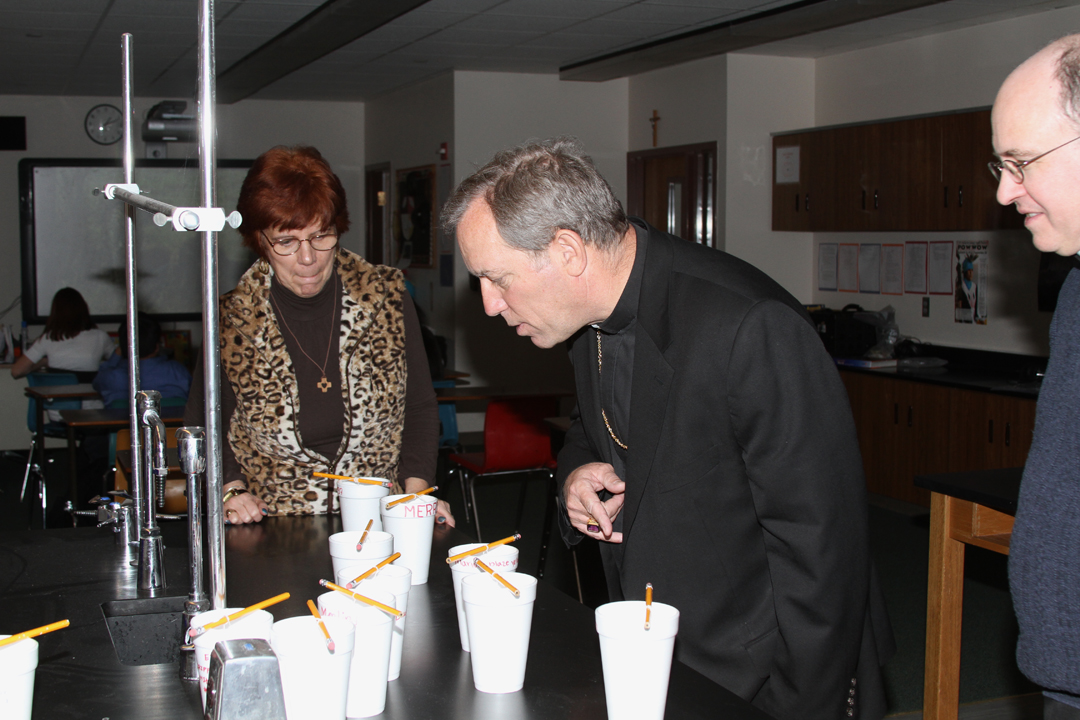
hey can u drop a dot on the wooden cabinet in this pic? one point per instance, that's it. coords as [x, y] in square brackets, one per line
[908, 428]
[926, 173]
[989, 431]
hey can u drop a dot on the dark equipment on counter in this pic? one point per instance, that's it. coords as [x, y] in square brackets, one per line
[843, 334]
[244, 682]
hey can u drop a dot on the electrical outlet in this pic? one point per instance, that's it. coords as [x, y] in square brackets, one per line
[926, 307]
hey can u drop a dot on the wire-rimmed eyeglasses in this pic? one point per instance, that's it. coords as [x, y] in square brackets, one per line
[1016, 169]
[288, 245]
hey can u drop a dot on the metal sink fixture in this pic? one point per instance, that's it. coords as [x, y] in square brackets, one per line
[145, 631]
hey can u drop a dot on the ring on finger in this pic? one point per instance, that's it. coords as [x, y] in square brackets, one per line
[592, 525]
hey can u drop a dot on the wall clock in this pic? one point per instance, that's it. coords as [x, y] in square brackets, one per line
[104, 124]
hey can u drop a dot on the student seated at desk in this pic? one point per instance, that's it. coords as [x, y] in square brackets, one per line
[156, 372]
[71, 341]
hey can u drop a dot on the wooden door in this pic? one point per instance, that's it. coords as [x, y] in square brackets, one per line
[674, 189]
[377, 216]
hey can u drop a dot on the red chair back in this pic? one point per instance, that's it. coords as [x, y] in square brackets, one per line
[515, 434]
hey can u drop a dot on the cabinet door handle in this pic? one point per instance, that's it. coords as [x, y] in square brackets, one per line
[796, 202]
[945, 197]
[807, 202]
[991, 440]
[909, 414]
[896, 413]
[1008, 434]
[875, 200]
[960, 196]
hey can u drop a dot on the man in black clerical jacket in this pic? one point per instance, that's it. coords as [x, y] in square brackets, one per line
[712, 451]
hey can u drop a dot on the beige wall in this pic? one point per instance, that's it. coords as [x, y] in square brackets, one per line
[948, 71]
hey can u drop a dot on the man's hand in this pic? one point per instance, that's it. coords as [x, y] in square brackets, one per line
[581, 494]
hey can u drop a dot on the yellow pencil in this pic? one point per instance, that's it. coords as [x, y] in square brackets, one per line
[356, 596]
[480, 564]
[322, 626]
[360, 543]
[35, 632]
[197, 631]
[648, 603]
[371, 571]
[483, 548]
[407, 498]
[361, 480]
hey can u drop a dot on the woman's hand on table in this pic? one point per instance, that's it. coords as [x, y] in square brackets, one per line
[243, 508]
[443, 516]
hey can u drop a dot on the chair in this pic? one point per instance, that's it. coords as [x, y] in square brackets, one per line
[39, 379]
[448, 429]
[175, 481]
[516, 441]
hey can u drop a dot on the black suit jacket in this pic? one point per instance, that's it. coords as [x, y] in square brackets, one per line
[745, 504]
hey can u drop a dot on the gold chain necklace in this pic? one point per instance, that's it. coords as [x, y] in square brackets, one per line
[599, 371]
[323, 384]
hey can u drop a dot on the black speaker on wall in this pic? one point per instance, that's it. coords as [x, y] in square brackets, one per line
[12, 133]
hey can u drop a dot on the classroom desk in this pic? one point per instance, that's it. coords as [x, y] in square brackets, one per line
[103, 419]
[974, 508]
[55, 574]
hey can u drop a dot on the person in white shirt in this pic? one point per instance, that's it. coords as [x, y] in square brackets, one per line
[71, 341]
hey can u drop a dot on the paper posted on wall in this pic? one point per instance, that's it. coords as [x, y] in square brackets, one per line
[972, 281]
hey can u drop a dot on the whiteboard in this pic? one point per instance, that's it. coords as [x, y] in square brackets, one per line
[73, 238]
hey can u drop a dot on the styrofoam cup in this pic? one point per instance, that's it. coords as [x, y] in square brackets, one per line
[315, 682]
[18, 665]
[360, 503]
[396, 580]
[412, 524]
[253, 625]
[378, 546]
[371, 649]
[637, 662]
[499, 628]
[501, 559]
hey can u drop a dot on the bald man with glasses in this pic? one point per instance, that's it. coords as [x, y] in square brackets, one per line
[1036, 121]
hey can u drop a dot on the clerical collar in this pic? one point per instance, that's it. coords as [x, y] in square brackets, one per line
[625, 310]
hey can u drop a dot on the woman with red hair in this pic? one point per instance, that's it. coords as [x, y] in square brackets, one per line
[322, 359]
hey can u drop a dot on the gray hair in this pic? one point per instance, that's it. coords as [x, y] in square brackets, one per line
[536, 189]
[1067, 72]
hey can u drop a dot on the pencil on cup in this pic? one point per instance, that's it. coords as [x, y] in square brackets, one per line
[480, 564]
[197, 631]
[371, 571]
[360, 543]
[356, 596]
[322, 626]
[407, 498]
[648, 603]
[483, 548]
[35, 632]
[361, 480]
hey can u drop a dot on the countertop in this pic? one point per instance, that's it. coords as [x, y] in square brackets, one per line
[984, 380]
[53, 574]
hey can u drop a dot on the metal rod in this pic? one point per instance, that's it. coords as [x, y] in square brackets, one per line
[138, 468]
[215, 516]
[144, 203]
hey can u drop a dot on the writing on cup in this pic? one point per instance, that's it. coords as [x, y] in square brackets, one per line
[495, 563]
[418, 510]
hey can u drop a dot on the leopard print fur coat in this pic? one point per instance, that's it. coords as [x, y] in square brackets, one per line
[263, 432]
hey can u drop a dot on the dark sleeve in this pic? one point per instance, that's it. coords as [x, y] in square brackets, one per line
[576, 451]
[195, 415]
[791, 416]
[420, 435]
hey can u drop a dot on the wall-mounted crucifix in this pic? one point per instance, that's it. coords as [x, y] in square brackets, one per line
[655, 120]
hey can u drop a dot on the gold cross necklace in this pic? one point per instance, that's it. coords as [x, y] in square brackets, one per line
[323, 384]
[599, 371]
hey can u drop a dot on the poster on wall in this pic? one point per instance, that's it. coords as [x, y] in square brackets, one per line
[847, 268]
[939, 268]
[915, 267]
[826, 266]
[892, 269]
[870, 268]
[414, 220]
[972, 280]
